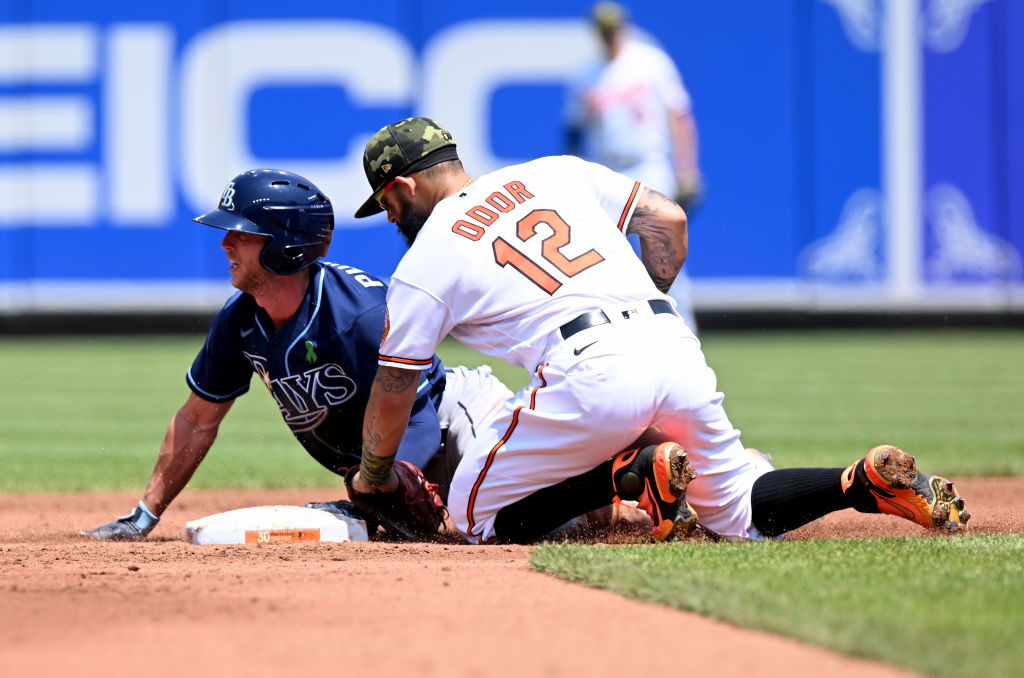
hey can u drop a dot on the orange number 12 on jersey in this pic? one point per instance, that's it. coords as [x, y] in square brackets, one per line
[551, 250]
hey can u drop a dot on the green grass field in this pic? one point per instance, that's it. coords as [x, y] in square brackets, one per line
[952, 398]
[83, 414]
[941, 607]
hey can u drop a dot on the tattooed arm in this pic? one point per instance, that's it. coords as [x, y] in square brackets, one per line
[661, 226]
[387, 416]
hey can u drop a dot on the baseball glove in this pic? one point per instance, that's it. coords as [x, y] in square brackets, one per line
[413, 512]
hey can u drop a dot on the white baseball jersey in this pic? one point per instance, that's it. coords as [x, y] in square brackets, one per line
[502, 264]
[623, 106]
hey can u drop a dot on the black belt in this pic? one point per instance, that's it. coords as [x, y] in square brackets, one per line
[595, 318]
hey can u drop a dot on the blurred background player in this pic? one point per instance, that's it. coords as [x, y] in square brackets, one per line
[308, 328]
[631, 113]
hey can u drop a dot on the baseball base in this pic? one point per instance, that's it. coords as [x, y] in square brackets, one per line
[269, 524]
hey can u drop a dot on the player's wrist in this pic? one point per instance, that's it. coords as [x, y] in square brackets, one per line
[142, 518]
[136, 524]
[375, 473]
[362, 487]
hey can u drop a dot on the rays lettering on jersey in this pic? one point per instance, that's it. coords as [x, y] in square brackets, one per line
[304, 399]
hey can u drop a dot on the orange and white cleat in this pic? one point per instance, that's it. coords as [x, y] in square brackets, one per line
[900, 489]
[656, 477]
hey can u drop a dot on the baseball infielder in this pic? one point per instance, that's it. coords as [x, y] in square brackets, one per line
[529, 264]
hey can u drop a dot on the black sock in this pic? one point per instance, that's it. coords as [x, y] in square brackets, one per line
[785, 499]
[537, 514]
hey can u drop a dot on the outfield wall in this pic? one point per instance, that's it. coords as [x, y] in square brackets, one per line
[860, 157]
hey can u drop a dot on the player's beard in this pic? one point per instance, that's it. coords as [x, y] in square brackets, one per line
[253, 281]
[411, 220]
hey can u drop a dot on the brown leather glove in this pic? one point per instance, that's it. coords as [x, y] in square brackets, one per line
[413, 512]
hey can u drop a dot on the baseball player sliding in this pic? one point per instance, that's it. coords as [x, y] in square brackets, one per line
[530, 264]
[310, 330]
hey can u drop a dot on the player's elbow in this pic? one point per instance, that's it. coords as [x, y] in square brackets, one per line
[679, 217]
[679, 223]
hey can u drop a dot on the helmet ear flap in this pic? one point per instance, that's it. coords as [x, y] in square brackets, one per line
[283, 260]
[304, 242]
[291, 211]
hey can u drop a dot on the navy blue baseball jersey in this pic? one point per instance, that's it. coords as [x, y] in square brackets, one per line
[319, 367]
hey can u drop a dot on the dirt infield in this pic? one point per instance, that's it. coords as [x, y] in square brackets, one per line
[73, 607]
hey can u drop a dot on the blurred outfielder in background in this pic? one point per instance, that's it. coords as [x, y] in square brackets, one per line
[631, 112]
[863, 154]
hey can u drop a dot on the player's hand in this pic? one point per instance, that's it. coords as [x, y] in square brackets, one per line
[136, 525]
[412, 511]
[362, 487]
[689, 189]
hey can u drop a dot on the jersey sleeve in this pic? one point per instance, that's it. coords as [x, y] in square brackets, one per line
[220, 372]
[617, 193]
[416, 323]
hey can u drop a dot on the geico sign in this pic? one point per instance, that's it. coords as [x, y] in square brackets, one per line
[171, 120]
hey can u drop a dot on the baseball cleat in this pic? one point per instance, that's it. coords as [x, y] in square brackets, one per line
[656, 478]
[900, 489]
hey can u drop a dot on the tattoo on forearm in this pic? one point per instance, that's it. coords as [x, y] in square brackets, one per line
[651, 202]
[375, 470]
[394, 379]
[371, 439]
[661, 246]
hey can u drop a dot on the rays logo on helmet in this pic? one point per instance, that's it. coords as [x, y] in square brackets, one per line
[227, 200]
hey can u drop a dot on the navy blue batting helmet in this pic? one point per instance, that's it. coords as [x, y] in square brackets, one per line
[295, 215]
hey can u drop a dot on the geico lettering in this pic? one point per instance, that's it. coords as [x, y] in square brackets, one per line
[159, 80]
[326, 51]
